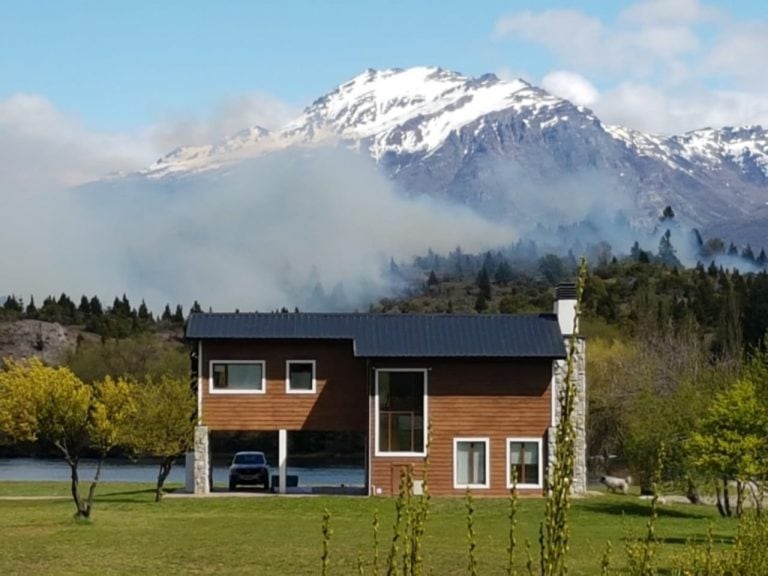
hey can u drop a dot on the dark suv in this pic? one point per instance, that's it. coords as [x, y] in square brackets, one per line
[249, 468]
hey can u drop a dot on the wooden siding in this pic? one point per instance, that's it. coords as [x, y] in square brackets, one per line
[340, 402]
[472, 398]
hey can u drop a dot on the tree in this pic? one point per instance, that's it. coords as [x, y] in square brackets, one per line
[730, 442]
[31, 311]
[503, 274]
[483, 282]
[52, 405]
[163, 423]
[141, 357]
[12, 304]
[552, 268]
[667, 254]
[432, 280]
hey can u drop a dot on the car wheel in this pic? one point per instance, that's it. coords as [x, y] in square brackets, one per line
[232, 485]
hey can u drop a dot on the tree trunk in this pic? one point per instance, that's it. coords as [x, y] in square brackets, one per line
[74, 486]
[693, 493]
[726, 498]
[718, 494]
[165, 468]
[739, 498]
[92, 488]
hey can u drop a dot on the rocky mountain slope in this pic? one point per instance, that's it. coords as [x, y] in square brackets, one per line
[496, 145]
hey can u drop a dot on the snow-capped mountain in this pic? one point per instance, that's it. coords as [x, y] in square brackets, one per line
[492, 144]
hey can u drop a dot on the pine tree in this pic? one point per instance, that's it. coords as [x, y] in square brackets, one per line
[484, 283]
[31, 311]
[666, 253]
[95, 307]
[166, 317]
[144, 313]
[503, 274]
[12, 304]
[432, 280]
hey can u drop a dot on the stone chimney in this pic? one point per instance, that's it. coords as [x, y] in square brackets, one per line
[565, 308]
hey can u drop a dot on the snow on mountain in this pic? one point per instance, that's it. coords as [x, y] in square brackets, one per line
[479, 141]
[426, 104]
[745, 146]
[422, 105]
[190, 159]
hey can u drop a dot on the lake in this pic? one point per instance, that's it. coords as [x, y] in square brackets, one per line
[115, 470]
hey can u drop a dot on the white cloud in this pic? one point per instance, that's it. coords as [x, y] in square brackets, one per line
[43, 148]
[571, 86]
[662, 65]
[669, 12]
[739, 54]
[227, 118]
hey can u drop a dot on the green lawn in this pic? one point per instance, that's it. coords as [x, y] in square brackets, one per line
[130, 534]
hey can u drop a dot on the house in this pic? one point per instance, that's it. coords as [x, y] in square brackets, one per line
[481, 388]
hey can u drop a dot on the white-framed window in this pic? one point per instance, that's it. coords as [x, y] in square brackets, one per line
[471, 463]
[236, 377]
[300, 377]
[401, 412]
[525, 458]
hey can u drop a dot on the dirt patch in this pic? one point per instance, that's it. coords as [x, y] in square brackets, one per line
[49, 341]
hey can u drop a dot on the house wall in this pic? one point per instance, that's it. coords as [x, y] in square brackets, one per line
[340, 402]
[494, 399]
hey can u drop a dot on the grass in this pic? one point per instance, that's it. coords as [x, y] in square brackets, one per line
[130, 534]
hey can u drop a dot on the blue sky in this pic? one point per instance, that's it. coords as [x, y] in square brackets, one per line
[126, 65]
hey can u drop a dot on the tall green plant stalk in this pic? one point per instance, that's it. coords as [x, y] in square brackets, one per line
[555, 532]
[376, 526]
[512, 541]
[327, 532]
[471, 537]
[408, 522]
[398, 534]
[605, 561]
[641, 555]
[420, 514]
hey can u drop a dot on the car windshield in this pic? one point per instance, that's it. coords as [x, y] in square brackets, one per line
[255, 458]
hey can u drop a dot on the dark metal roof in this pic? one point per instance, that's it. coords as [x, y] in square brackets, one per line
[396, 335]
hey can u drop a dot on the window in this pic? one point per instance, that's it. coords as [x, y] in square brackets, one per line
[400, 411]
[470, 463]
[524, 457]
[237, 377]
[300, 376]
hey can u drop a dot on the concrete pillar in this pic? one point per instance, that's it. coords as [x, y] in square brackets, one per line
[282, 459]
[202, 461]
